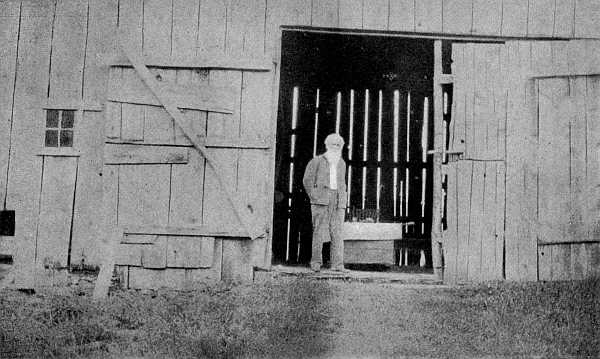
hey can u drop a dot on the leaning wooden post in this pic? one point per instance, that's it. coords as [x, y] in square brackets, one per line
[438, 143]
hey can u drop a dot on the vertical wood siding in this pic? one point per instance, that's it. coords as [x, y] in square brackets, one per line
[49, 51]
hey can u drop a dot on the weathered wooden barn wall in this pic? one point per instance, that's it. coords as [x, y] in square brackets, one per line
[49, 60]
[523, 203]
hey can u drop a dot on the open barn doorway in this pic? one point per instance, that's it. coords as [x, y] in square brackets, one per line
[376, 92]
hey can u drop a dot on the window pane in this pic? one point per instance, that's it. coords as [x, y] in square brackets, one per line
[66, 138]
[52, 118]
[51, 138]
[68, 117]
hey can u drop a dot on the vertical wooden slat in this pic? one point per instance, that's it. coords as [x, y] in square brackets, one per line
[130, 23]
[500, 207]
[157, 26]
[376, 15]
[284, 12]
[514, 18]
[132, 122]
[476, 225]
[469, 86]
[545, 262]
[487, 17]
[451, 234]
[101, 32]
[458, 16]
[9, 31]
[587, 13]
[592, 116]
[245, 27]
[325, 13]
[561, 262]
[187, 192]
[575, 105]
[351, 14]
[24, 177]
[185, 27]
[87, 224]
[402, 15]
[68, 49]
[488, 235]
[464, 193]
[212, 26]
[564, 18]
[56, 209]
[501, 99]
[541, 18]
[144, 195]
[578, 261]
[554, 162]
[428, 15]
[457, 125]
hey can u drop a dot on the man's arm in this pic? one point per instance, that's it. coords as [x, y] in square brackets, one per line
[310, 174]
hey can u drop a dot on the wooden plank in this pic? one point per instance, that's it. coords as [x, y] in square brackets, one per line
[554, 165]
[488, 233]
[493, 85]
[564, 19]
[190, 252]
[487, 17]
[376, 15]
[157, 26]
[324, 13]
[351, 14]
[469, 81]
[501, 100]
[592, 115]
[101, 38]
[9, 28]
[369, 252]
[145, 278]
[541, 18]
[451, 233]
[132, 122]
[464, 193]
[237, 265]
[529, 211]
[135, 238]
[500, 219]
[578, 261]
[155, 255]
[458, 128]
[131, 22]
[428, 15]
[482, 106]
[514, 159]
[24, 176]
[545, 263]
[458, 16]
[372, 231]
[212, 27]
[593, 250]
[187, 192]
[561, 262]
[587, 13]
[201, 96]
[143, 195]
[202, 60]
[476, 226]
[142, 154]
[68, 49]
[514, 18]
[128, 254]
[56, 210]
[185, 28]
[195, 119]
[246, 27]
[284, 12]
[87, 224]
[159, 128]
[575, 112]
[402, 15]
[201, 231]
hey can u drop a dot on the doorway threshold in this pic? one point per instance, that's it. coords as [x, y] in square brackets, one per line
[282, 271]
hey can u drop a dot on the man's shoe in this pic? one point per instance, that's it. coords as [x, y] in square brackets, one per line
[315, 267]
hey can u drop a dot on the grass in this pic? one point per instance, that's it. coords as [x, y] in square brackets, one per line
[304, 318]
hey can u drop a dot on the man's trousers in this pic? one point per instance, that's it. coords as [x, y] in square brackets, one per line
[327, 226]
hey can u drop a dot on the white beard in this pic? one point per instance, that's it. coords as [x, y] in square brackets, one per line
[333, 157]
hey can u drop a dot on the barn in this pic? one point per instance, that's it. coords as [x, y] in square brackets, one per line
[166, 138]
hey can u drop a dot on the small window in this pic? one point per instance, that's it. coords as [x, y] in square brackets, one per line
[59, 128]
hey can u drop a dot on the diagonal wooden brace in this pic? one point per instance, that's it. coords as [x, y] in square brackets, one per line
[172, 109]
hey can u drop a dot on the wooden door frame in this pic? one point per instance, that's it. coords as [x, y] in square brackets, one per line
[438, 80]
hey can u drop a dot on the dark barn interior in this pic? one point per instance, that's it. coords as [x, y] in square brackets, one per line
[377, 93]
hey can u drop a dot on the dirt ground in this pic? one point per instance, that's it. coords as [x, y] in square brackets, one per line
[301, 317]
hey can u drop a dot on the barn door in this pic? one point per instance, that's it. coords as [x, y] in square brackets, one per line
[187, 158]
[475, 163]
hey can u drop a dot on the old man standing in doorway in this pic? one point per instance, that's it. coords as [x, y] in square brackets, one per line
[325, 183]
